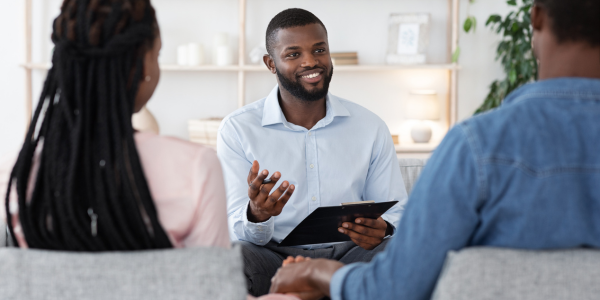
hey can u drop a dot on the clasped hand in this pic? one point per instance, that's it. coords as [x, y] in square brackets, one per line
[264, 204]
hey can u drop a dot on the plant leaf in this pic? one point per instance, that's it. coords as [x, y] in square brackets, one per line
[512, 76]
[468, 24]
[455, 55]
[493, 19]
[512, 2]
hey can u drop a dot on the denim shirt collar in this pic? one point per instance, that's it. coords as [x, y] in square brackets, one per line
[272, 113]
[583, 88]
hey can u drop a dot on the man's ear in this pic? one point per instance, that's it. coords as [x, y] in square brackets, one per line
[538, 17]
[268, 60]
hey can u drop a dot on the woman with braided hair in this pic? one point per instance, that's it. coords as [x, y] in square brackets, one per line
[84, 180]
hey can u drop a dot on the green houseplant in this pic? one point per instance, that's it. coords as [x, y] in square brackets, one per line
[514, 51]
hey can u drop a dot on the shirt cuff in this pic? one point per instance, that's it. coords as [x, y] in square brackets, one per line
[390, 223]
[258, 233]
[336, 286]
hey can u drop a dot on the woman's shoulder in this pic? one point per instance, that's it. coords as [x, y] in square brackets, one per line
[173, 165]
[165, 147]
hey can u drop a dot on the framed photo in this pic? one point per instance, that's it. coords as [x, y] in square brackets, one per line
[408, 38]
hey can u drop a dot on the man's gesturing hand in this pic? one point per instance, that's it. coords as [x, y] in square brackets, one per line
[367, 233]
[264, 204]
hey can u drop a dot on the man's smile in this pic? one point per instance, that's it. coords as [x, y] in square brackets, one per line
[312, 76]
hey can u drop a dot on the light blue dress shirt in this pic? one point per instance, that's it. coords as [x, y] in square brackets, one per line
[348, 156]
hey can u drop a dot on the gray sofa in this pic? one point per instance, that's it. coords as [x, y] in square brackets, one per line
[204, 273]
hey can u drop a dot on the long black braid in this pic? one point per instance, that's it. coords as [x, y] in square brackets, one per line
[89, 166]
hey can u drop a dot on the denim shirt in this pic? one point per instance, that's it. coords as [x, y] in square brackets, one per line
[526, 175]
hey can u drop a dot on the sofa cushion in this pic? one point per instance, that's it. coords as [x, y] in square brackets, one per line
[494, 274]
[411, 170]
[194, 273]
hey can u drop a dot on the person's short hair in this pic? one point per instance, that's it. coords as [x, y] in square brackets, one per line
[574, 20]
[291, 17]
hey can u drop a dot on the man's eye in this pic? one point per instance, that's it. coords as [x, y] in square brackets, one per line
[320, 50]
[293, 54]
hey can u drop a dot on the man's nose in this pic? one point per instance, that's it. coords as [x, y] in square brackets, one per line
[309, 61]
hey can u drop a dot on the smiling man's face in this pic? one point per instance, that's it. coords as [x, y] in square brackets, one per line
[303, 63]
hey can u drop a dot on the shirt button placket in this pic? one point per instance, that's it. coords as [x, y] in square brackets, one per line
[311, 171]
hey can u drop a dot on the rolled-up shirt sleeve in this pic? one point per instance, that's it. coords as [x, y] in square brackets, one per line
[236, 166]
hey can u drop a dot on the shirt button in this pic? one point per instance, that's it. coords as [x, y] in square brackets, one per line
[312, 166]
[309, 133]
[260, 229]
[314, 198]
[260, 241]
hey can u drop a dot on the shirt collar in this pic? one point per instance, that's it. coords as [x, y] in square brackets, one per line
[272, 113]
[574, 86]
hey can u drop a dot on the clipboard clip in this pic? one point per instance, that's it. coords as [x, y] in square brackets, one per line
[359, 202]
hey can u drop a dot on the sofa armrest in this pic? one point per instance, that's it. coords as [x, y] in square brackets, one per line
[494, 274]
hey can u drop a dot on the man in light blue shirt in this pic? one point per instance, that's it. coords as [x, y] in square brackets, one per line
[327, 151]
[522, 176]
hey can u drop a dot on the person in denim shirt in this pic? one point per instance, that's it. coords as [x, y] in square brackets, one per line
[524, 176]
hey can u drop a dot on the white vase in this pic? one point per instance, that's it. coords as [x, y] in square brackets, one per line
[421, 133]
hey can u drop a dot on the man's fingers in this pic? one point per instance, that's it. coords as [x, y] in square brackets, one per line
[253, 171]
[284, 199]
[265, 189]
[373, 223]
[359, 239]
[364, 230]
[278, 192]
[255, 185]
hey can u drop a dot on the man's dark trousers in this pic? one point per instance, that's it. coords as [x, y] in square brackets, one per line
[261, 262]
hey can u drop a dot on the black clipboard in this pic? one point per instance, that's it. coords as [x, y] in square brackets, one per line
[321, 226]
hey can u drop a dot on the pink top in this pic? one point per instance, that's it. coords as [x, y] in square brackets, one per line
[186, 183]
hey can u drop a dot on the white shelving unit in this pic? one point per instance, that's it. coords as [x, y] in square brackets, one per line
[242, 68]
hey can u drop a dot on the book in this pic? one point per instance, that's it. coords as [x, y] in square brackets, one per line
[344, 55]
[344, 61]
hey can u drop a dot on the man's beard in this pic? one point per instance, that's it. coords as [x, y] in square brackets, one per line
[295, 88]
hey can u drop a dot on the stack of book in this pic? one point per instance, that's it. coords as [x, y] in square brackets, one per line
[204, 131]
[344, 58]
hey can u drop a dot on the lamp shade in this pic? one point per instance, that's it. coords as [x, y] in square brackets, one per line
[423, 105]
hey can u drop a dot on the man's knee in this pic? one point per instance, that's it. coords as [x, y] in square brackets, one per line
[358, 254]
[260, 264]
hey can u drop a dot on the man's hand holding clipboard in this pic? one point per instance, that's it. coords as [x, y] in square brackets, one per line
[359, 222]
[366, 233]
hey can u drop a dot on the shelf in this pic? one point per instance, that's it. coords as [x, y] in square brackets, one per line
[415, 148]
[262, 68]
[201, 68]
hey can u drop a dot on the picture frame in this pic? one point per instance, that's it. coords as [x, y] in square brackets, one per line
[408, 38]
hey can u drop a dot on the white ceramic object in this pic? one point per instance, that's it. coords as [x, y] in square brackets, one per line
[182, 55]
[421, 133]
[223, 57]
[195, 54]
[221, 39]
[144, 121]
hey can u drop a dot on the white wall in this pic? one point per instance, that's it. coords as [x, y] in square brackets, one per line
[12, 78]
[353, 25]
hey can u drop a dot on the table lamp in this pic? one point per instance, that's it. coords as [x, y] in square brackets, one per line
[422, 105]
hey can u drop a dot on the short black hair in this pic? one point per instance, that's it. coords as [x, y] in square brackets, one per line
[574, 20]
[291, 17]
